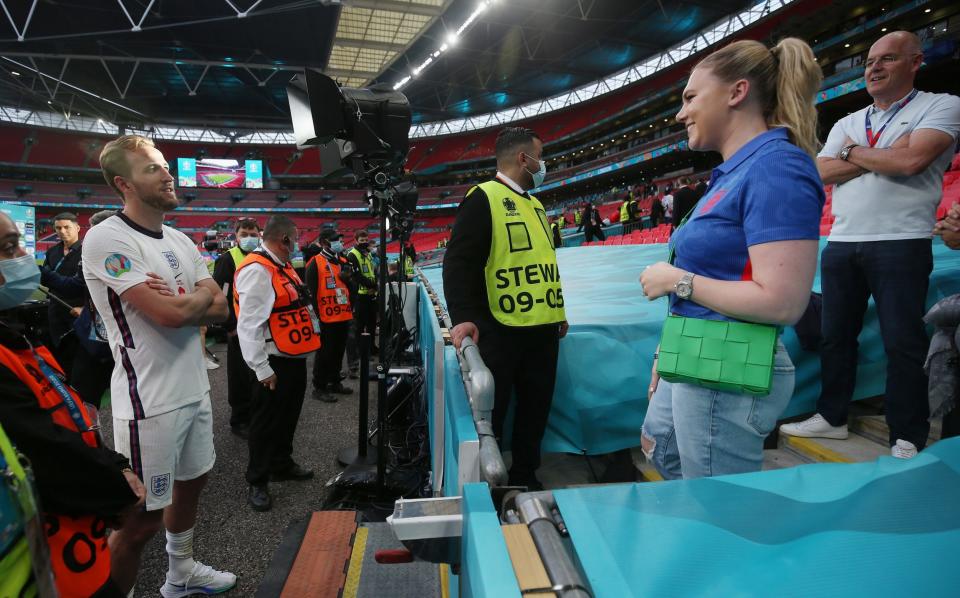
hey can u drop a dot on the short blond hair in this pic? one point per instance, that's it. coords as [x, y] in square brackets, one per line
[113, 158]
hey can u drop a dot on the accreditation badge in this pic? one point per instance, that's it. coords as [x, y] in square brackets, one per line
[341, 296]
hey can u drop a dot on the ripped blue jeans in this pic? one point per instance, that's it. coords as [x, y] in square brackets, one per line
[694, 432]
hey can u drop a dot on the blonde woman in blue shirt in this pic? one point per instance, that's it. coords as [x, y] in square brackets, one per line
[748, 251]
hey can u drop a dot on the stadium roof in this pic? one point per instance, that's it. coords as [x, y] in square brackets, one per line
[221, 66]
[211, 63]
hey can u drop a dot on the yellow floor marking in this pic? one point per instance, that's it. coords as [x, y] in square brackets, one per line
[352, 584]
[444, 581]
[816, 450]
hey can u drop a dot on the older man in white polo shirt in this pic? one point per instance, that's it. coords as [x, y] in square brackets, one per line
[887, 162]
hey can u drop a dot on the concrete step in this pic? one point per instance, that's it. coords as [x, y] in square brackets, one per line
[782, 459]
[772, 459]
[854, 449]
[875, 428]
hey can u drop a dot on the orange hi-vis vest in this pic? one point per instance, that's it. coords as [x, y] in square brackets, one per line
[333, 297]
[291, 323]
[79, 555]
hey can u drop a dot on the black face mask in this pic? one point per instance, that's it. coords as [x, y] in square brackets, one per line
[363, 247]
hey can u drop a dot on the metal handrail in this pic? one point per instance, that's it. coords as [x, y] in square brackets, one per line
[478, 380]
[535, 510]
[480, 385]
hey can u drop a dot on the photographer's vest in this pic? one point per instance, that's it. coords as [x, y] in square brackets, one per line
[79, 555]
[290, 325]
[366, 270]
[333, 298]
[522, 278]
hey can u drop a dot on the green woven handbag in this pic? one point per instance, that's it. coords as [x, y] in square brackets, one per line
[729, 356]
[732, 357]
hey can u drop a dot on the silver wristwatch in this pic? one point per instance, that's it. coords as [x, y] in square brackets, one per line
[845, 152]
[684, 287]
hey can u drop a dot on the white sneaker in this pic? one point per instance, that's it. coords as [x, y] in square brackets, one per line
[202, 580]
[903, 449]
[815, 427]
[211, 364]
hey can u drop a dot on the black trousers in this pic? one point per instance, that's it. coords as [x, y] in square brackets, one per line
[333, 342]
[90, 376]
[522, 362]
[365, 314]
[273, 422]
[65, 351]
[896, 274]
[240, 384]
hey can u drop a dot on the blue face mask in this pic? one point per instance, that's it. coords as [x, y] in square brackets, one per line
[336, 246]
[22, 277]
[248, 244]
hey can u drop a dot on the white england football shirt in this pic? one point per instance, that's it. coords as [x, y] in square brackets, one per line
[157, 369]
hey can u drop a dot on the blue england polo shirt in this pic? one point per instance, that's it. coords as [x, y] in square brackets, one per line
[768, 191]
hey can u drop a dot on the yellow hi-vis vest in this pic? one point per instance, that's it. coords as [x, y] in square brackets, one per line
[366, 270]
[625, 211]
[237, 255]
[522, 278]
[407, 265]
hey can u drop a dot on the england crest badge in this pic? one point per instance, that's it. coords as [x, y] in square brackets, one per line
[159, 484]
[172, 260]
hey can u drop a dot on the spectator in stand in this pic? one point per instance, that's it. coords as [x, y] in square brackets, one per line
[683, 200]
[667, 202]
[701, 187]
[656, 211]
[555, 231]
[887, 162]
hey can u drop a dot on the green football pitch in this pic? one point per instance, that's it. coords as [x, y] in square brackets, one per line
[219, 179]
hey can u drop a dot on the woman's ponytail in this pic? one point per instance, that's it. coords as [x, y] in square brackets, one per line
[798, 79]
[784, 79]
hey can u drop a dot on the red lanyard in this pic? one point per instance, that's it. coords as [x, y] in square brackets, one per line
[873, 139]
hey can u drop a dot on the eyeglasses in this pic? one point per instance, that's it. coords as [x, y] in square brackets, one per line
[885, 59]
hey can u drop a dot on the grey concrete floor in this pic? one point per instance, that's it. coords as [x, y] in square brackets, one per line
[229, 535]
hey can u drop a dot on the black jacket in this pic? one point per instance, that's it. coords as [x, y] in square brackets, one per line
[66, 266]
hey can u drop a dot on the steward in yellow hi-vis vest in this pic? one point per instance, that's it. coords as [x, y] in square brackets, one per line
[502, 289]
[523, 281]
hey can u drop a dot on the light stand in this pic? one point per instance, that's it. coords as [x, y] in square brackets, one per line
[381, 196]
[357, 457]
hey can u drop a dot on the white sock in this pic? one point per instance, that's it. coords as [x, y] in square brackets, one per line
[132, 590]
[180, 553]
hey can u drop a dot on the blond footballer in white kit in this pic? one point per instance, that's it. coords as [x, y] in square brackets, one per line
[153, 292]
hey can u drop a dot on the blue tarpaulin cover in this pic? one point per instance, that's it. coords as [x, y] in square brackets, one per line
[885, 528]
[605, 360]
